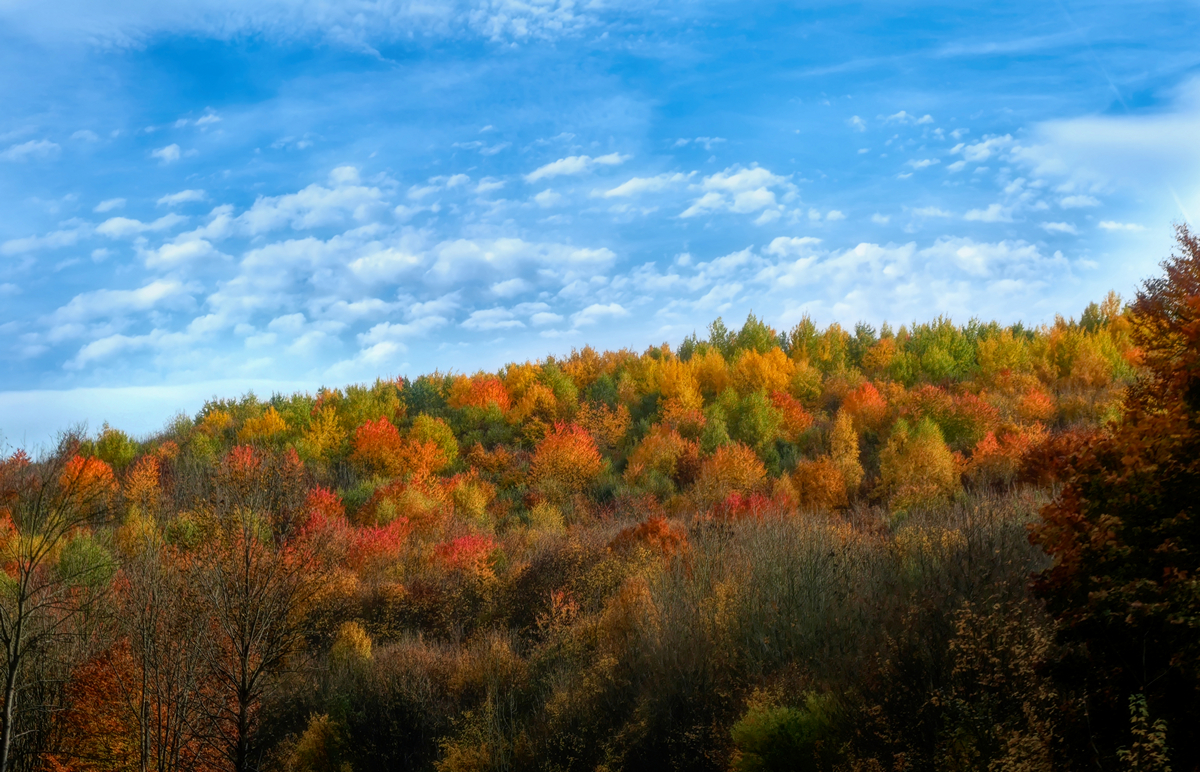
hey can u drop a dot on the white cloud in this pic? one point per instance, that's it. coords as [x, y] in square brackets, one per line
[107, 303]
[994, 213]
[86, 135]
[637, 185]
[168, 154]
[858, 124]
[548, 198]
[596, 312]
[1109, 225]
[1078, 202]
[491, 319]
[575, 164]
[904, 117]
[109, 204]
[33, 149]
[190, 251]
[880, 219]
[123, 227]
[543, 318]
[957, 166]
[983, 150]
[488, 184]
[511, 287]
[922, 163]
[182, 197]
[1059, 227]
[931, 211]
[64, 237]
[739, 190]
[834, 215]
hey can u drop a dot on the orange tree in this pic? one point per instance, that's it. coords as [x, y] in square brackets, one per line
[1124, 535]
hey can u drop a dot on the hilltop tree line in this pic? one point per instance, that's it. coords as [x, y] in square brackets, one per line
[760, 550]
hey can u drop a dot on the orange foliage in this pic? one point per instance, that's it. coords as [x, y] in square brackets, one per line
[796, 420]
[866, 407]
[566, 458]
[481, 392]
[663, 450]
[1036, 405]
[733, 468]
[656, 534]
[998, 459]
[88, 478]
[377, 447]
[820, 484]
[420, 500]
[606, 425]
[98, 730]
[142, 482]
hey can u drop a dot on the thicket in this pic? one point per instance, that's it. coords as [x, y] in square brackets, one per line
[762, 550]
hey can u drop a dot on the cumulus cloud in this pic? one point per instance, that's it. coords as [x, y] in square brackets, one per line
[1110, 225]
[168, 154]
[575, 164]
[739, 190]
[109, 204]
[983, 150]
[1059, 227]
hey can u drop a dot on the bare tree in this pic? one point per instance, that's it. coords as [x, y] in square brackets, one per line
[161, 616]
[48, 586]
[258, 593]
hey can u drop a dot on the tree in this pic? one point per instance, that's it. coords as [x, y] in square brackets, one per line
[257, 593]
[52, 568]
[1124, 536]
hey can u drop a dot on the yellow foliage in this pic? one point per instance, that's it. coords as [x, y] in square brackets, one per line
[677, 381]
[768, 372]
[264, 428]
[325, 435]
[216, 423]
[843, 442]
[352, 645]
[916, 467]
[518, 379]
[712, 374]
[319, 747]
[606, 425]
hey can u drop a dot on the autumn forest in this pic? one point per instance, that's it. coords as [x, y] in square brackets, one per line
[933, 546]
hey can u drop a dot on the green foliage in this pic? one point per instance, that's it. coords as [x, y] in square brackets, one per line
[112, 446]
[86, 562]
[774, 738]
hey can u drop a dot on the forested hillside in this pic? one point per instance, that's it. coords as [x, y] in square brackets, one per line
[764, 549]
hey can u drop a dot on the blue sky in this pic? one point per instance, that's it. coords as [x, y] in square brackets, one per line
[207, 197]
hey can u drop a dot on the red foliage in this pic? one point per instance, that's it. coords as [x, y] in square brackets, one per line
[381, 543]
[469, 553]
